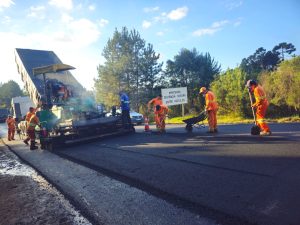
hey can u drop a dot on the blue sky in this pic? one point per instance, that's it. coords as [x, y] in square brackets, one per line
[77, 31]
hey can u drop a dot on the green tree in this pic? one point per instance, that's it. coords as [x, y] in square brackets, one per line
[8, 91]
[282, 85]
[258, 62]
[192, 70]
[130, 65]
[230, 91]
[284, 48]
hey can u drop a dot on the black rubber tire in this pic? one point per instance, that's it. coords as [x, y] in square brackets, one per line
[189, 128]
[255, 130]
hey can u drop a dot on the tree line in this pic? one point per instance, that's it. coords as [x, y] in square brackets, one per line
[9, 90]
[133, 66]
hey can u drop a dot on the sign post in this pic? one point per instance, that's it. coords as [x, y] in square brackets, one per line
[175, 96]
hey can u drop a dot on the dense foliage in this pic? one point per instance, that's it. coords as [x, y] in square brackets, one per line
[7, 92]
[132, 65]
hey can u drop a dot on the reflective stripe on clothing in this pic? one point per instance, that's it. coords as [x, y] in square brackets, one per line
[124, 99]
[34, 120]
[260, 96]
[210, 101]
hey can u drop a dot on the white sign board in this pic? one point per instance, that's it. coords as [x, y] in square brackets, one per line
[174, 96]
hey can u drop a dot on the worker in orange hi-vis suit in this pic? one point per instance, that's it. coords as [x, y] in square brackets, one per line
[211, 107]
[11, 128]
[261, 104]
[29, 114]
[161, 112]
[154, 102]
[33, 122]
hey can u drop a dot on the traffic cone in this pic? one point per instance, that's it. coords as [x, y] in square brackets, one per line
[146, 124]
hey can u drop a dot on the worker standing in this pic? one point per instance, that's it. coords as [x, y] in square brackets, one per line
[211, 107]
[161, 112]
[33, 122]
[261, 104]
[125, 108]
[11, 128]
[29, 114]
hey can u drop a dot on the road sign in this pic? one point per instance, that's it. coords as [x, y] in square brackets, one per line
[174, 96]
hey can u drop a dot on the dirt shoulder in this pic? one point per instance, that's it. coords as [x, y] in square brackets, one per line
[27, 198]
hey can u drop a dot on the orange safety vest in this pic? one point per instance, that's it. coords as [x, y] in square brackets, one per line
[33, 121]
[210, 101]
[260, 96]
[28, 116]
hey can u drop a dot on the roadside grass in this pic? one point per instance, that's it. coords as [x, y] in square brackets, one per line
[232, 119]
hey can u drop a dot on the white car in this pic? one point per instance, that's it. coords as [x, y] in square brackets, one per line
[136, 118]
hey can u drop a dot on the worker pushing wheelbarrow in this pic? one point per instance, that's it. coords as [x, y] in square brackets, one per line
[195, 121]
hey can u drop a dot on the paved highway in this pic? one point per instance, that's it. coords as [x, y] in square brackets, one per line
[230, 177]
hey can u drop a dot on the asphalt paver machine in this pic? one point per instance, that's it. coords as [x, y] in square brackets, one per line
[67, 114]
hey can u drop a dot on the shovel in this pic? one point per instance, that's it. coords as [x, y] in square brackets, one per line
[255, 130]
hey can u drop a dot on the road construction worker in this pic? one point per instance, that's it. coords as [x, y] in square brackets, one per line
[29, 114]
[33, 122]
[154, 102]
[261, 104]
[125, 110]
[11, 128]
[211, 107]
[161, 112]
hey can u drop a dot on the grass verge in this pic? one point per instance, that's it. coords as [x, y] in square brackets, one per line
[236, 119]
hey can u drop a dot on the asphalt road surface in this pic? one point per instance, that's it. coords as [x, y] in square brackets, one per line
[230, 177]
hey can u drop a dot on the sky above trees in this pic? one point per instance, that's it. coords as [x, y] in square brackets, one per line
[77, 31]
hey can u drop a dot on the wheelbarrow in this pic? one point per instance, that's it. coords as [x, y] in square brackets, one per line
[196, 122]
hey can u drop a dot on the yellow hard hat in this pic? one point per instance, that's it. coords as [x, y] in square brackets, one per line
[202, 90]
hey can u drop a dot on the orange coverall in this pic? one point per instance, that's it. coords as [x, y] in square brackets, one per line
[262, 104]
[211, 107]
[33, 121]
[11, 128]
[155, 101]
[160, 117]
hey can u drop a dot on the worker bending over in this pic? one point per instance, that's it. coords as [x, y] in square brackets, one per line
[154, 102]
[11, 128]
[261, 104]
[211, 107]
[161, 112]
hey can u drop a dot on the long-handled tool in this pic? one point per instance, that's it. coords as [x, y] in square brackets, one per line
[255, 130]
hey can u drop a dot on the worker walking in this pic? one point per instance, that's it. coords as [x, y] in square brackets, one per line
[261, 104]
[11, 128]
[211, 107]
[161, 112]
[125, 108]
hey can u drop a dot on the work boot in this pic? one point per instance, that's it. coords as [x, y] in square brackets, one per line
[26, 142]
[32, 145]
[211, 131]
[265, 133]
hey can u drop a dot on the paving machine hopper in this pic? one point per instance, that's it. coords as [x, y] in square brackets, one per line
[67, 114]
